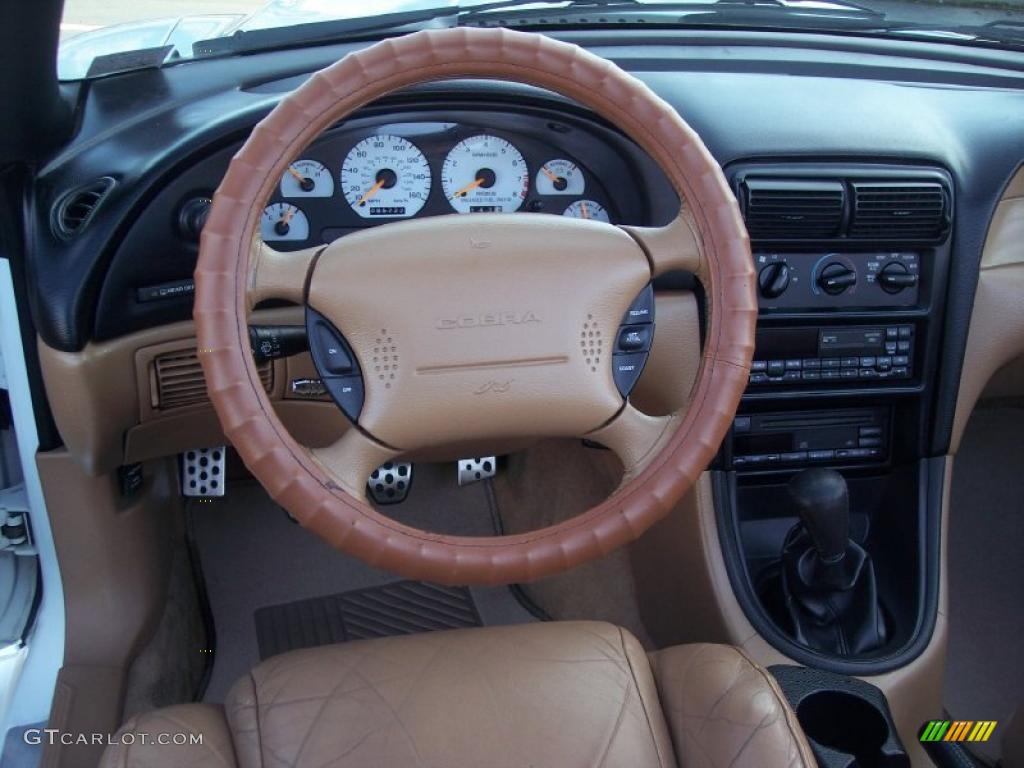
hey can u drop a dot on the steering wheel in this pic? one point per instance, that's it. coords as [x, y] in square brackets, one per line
[488, 326]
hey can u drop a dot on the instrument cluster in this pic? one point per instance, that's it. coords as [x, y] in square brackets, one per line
[350, 180]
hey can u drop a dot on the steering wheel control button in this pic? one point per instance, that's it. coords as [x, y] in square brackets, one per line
[347, 392]
[335, 355]
[626, 369]
[642, 310]
[633, 341]
[339, 371]
[390, 482]
[635, 338]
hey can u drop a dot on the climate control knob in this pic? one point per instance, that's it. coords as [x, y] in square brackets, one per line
[773, 280]
[835, 278]
[895, 277]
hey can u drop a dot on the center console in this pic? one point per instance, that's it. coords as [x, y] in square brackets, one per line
[852, 263]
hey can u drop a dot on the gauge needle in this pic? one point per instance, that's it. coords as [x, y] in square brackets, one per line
[583, 209]
[371, 192]
[549, 173]
[287, 216]
[468, 188]
[298, 176]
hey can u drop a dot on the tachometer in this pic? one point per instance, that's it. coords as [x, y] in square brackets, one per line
[587, 209]
[559, 177]
[385, 177]
[307, 178]
[485, 173]
[283, 221]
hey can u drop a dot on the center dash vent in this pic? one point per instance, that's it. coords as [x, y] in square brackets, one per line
[74, 210]
[178, 380]
[899, 210]
[784, 209]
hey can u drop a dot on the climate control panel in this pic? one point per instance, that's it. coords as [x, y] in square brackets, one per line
[819, 280]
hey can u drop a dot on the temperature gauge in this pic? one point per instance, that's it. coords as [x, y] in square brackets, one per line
[307, 178]
[283, 221]
[587, 209]
[559, 177]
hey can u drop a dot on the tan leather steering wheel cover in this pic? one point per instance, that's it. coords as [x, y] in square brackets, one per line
[285, 468]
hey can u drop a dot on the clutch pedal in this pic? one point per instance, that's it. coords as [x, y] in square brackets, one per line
[390, 482]
[202, 471]
[475, 470]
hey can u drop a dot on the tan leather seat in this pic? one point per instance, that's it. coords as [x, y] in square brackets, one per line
[552, 695]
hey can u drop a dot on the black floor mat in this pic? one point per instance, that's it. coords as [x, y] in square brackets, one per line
[400, 608]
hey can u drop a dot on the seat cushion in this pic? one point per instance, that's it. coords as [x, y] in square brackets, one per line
[725, 710]
[551, 694]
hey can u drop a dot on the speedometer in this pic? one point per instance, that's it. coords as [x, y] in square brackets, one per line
[485, 173]
[385, 177]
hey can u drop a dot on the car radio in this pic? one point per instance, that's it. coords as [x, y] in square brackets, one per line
[832, 354]
[845, 435]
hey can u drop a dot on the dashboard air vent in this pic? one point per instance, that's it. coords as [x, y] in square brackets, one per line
[178, 379]
[76, 208]
[899, 210]
[784, 209]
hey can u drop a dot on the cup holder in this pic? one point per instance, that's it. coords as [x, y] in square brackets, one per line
[847, 721]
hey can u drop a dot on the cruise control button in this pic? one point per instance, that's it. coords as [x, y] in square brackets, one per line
[347, 392]
[642, 310]
[626, 369]
[334, 357]
[635, 338]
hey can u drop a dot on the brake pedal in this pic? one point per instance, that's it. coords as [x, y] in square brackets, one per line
[202, 471]
[475, 470]
[390, 482]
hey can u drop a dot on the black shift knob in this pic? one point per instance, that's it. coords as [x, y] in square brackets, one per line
[823, 503]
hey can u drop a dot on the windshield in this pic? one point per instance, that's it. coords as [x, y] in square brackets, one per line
[95, 34]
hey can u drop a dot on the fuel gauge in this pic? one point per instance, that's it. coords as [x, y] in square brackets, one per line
[283, 221]
[307, 178]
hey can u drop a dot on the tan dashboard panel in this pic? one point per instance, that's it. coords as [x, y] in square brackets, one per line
[996, 335]
[671, 370]
[102, 399]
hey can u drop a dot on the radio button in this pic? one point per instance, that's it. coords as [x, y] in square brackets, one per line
[901, 360]
[793, 365]
[792, 457]
[869, 442]
[812, 362]
[759, 378]
[869, 431]
[884, 363]
[851, 362]
[812, 375]
[890, 347]
[849, 373]
[829, 375]
[903, 346]
[820, 455]
[901, 373]
[758, 365]
[831, 362]
[776, 367]
[867, 362]
[892, 333]
[868, 373]
[906, 331]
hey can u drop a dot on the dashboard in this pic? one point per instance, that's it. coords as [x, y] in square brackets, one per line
[378, 168]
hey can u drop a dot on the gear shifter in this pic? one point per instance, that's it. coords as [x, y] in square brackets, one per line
[828, 580]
